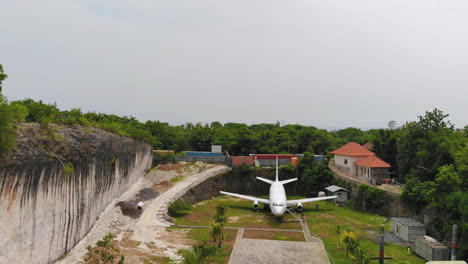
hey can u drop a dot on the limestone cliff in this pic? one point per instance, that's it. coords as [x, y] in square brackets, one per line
[55, 185]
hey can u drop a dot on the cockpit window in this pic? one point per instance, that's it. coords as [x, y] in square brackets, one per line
[275, 204]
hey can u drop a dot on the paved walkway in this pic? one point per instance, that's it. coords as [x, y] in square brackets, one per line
[263, 251]
[156, 212]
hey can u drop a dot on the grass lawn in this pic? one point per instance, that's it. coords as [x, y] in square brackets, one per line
[322, 222]
[240, 213]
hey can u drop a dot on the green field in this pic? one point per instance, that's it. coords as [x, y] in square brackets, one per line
[322, 222]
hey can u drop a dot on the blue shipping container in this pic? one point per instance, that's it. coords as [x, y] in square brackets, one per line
[204, 154]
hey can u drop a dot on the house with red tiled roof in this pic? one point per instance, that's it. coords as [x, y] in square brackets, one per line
[358, 161]
[372, 169]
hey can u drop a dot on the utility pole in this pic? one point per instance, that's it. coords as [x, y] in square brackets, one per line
[382, 257]
[454, 242]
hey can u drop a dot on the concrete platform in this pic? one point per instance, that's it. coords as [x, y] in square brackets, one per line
[276, 251]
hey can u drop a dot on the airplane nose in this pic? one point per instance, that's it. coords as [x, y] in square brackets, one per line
[277, 211]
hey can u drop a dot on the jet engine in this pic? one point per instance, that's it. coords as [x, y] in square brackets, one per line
[299, 207]
[255, 205]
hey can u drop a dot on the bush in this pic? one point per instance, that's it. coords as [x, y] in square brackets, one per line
[39, 111]
[179, 208]
[243, 170]
[370, 197]
[165, 158]
[68, 169]
[7, 131]
[105, 252]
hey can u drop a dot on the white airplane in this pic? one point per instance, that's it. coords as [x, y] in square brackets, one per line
[278, 202]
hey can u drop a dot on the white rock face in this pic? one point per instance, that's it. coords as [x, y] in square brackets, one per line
[44, 212]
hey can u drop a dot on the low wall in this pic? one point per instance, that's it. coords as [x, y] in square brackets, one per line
[211, 159]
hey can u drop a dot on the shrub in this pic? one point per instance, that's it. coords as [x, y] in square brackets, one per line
[370, 197]
[68, 169]
[179, 208]
[105, 252]
[164, 158]
[7, 131]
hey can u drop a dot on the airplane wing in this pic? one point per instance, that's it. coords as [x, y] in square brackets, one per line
[308, 200]
[261, 200]
[288, 181]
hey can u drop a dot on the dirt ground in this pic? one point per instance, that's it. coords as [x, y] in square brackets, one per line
[155, 244]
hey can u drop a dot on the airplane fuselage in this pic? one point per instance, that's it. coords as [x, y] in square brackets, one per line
[278, 200]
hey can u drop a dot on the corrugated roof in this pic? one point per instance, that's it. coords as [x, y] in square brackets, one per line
[353, 149]
[334, 188]
[430, 244]
[372, 162]
[407, 221]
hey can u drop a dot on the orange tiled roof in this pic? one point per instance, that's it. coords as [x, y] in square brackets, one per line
[353, 149]
[372, 162]
[368, 146]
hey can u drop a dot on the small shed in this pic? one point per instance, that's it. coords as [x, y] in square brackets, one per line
[430, 249]
[407, 228]
[340, 192]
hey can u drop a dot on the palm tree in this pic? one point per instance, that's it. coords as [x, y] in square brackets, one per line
[219, 219]
[351, 242]
[361, 256]
[217, 233]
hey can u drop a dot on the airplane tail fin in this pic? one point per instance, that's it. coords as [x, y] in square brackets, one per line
[277, 177]
[288, 181]
[265, 180]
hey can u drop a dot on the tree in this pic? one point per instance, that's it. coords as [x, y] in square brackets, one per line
[7, 117]
[418, 193]
[314, 176]
[216, 233]
[385, 145]
[3, 76]
[217, 228]
[391, 124]
[370, 197]
[353, 134]
[39, 111]
[7, 130]
[424, 146]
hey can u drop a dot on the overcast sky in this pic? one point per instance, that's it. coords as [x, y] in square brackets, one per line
[331, 64]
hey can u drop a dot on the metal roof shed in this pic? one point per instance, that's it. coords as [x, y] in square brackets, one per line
[407, 228]
[340, 192]
[430, 249]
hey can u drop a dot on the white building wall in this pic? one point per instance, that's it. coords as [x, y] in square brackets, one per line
[346, 163]
[364, 173]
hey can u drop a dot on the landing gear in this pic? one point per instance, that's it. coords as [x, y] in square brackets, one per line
[279, 219]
